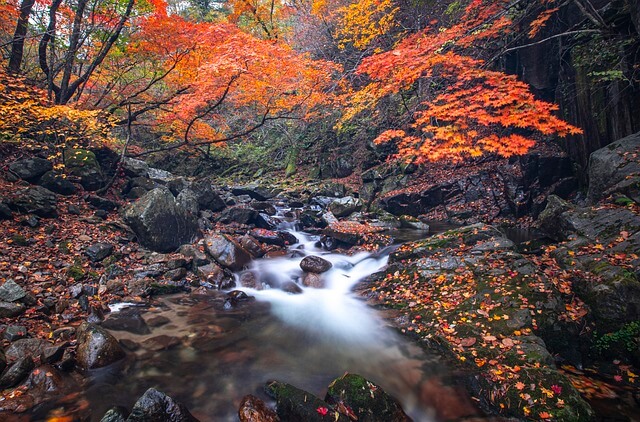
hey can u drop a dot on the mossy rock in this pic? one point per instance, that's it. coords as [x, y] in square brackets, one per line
[364, 399]
[19, 240]
[76, 272]
[293, 404]
[83, 163]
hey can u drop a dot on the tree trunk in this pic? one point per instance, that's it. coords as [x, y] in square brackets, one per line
[17, 44]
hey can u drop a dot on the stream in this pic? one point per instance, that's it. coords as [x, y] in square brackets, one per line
[208, 357]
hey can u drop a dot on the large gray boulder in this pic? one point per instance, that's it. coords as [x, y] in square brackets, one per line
[97, 347]
[227, 252]
[159, 222]
[30, 169]
[346, 206]
[207, 197]
[612, 165]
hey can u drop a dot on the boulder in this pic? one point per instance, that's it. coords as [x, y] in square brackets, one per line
[252, 409]
[343, 207]
[159, 222]
[252, 246]
[96, 347]
[267, 236]
[366, 400]
[25, 347]
[84, 165]
[315, 264]
[57, 183]
[36, 200]
[17, 372]
[5, 212]
[115, 414]
[155, 406]
[99, 251]
[293, 404]
[550, 220]
[312, 280]
[238, 214]
[135, 168]
[216, 276]
[208, 199]
[30, 169]
[227, 252]
[257, 192]
[188, 200]
[613, 164]
[10, 291]
[11, 310]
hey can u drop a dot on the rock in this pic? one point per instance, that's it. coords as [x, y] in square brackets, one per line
[96, 347]
[265, 207]
[10, 291]
[249, 279]
[188, 200]
[30, 221]
[252, 246]
[264, 221]
[549, 220]
[82, 163]
[343, 207]
[288, 238]
[199, 258]
[238, 214]
[99, 251]
[57, 183]
[158, 321]
[293, 404]
[613, 164]
[52, 354]
[15, 332]
[36, 200]
[25, 347]
[139, 184]
[257, 192]
[129, 320]
[115, 414]
[3, 361]
[413, 223]
[176, 275]
[161, 342]
[159, 223]
[252, 409]
[208, 199]
[135, 168]
[17, 372]
[160, 175]
[102, 203]
[267, 236]
[235, 297]
[155, 406]
[30, 169]
[291, 287]
[367, 401]
[11, 310]
[315, 264]
[227, 252]
[5, 212]
[313, 280]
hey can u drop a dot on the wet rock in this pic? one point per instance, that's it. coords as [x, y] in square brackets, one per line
[57, 183]
[409, 222]
[15, 332]
[99, 251]
[207, 197]
[177, 274]
[3, 361]
[159, 223]
[11, 310]
[155, 406]
[212, 273]
[315, 264]
[17, 372]
[83, 164]
[613, 164]
[238, 214]
[30, 169]
[236, 297]
[291, 287]
[249, 279]
[199, 258]
[367, 401]
[158, 321]
[25, 347]
[161, 342]
[257, 192]
[264, 221]
[227, 252]
[96, 347]
[293, 404]
[115, 414]
[252, 246]
[5, 212]
[288, 238]
[10, 291]
[52, 354]
[313, 280]
[252, 409]
[128, 320]
[550, 221]
[343, 207]
[267, 236]
[36, 200]
[265, 207]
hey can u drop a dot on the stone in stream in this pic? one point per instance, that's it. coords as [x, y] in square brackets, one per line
[315, 264]
[291, 287]
[155, 406]
[17, 372]
[227, 252]
[313, 280]
[343, 207]
[252, 409]
[293, 404]
[128, 320]
[115, 414]
[363, 399]
[96, 347]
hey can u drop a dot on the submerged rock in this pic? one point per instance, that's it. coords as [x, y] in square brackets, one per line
[155, 406]
[252, 409]
[96, 347]
[293, 404]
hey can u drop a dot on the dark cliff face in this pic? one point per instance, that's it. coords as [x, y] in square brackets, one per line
[594, 77]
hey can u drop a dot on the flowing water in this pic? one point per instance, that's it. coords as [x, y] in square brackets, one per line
[209, 357]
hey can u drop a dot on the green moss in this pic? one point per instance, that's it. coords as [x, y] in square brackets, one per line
[19, 240]
[80, 158]
[626, 337]
[76, 272]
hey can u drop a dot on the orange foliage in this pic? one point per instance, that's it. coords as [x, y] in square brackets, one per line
[480, 111]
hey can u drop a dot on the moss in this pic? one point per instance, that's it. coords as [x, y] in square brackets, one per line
[76, 272]
[19, 240]
[80, 158]
[65, 246]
